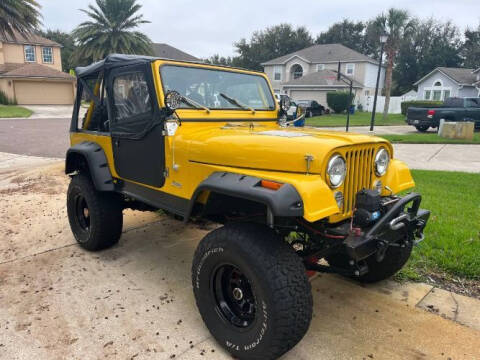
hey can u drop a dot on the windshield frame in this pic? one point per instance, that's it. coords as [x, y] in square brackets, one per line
[210, 67]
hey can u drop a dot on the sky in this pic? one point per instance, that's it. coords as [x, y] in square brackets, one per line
[206, 27]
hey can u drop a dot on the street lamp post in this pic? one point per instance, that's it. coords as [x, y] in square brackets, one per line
[383, 40]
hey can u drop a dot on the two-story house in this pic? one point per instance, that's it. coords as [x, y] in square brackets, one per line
[31, 71]
[308, 74]
[444, 82]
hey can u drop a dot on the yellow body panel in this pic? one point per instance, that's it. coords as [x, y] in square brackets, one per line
[256, 145]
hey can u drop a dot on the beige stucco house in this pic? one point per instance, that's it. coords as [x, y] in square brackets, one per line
[308, 74]
[31, 71]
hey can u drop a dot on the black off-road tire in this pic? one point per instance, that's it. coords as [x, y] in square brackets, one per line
[422, 128]
[395, 258]
[280, 287]
[105, 218]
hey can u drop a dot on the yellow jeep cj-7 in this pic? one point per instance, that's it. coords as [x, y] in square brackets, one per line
[209, 142]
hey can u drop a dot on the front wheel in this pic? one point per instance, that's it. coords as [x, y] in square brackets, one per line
[95, 217]
[252, 291]
[395, 258]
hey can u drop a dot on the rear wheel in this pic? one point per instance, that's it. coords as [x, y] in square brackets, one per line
[422, 128]
[309, 113]
[95, 217]
[252, 291]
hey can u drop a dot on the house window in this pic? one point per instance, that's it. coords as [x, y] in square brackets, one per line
[367, 92]
[277, 73]
[297, 71]
[350, 69]
[29, 53]
[437, 95]
[320, 67]
[426, 95]
[47, 55]
[446, 94]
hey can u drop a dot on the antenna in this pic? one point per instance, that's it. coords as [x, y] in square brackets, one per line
[338, 72]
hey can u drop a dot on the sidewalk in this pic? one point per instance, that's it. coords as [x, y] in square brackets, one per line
[448, 157]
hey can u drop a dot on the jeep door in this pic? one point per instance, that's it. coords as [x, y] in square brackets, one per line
[136, 128]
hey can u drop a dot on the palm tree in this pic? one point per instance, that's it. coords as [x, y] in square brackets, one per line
[398, 25]
[110, 30]
[20, 16]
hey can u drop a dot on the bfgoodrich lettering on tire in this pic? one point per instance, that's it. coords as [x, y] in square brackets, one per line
[252, 291]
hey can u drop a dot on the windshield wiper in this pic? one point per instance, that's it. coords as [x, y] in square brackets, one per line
[237, 103]
[195, 104]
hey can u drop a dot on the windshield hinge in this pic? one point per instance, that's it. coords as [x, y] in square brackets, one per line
[166, 172]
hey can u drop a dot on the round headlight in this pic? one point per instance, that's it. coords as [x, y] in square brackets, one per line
[336, 171]
[381, 162]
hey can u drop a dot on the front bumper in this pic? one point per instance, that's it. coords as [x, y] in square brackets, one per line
[399, 224]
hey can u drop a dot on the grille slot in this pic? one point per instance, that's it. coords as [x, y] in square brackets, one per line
[359, 174]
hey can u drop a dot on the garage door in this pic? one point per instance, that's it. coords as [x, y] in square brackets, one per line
[43, 92]
[319, 95]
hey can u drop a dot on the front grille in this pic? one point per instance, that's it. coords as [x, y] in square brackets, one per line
[359, 174]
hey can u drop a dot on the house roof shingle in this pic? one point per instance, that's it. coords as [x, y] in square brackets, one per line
[169, 52]
[460, 75]
[325, 78]
[324, 53]
[32, 39]
[32, 71]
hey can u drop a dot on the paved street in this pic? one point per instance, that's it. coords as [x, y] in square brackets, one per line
[134, 301]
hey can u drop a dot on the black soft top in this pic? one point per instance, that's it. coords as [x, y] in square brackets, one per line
[113, 61]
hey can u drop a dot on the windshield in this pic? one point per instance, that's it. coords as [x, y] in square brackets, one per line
[214, 88]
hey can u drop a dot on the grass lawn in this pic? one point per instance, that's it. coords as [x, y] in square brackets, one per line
[452, 243]
[12, 111]
[429, 138]
[358, 119]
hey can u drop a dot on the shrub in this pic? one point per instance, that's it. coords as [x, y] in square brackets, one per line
[5, 100]
[419, 103]
[338, 101]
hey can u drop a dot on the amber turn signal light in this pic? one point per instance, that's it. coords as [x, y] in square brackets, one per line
[272, 185]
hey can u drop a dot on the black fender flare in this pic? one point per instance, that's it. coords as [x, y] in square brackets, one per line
[284, 202]
[96, 160]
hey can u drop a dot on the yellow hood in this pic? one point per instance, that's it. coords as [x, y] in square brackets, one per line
[269, 147]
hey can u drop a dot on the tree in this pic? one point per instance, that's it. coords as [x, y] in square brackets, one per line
[22, 16]
[68, 46]
[270, 43]
[471, 48]
[216, 59]
[111, 30]
[430, 44]
[399, 26]
[348, 33]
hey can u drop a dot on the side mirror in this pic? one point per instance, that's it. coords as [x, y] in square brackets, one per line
[172, 100]
[285, 103]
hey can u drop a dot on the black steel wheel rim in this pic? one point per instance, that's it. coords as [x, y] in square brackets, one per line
[82, 213]
[234, 296]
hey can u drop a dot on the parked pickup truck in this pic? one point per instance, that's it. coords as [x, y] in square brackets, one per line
[453, 109]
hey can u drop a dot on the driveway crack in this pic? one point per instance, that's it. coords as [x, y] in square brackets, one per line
[437, 152]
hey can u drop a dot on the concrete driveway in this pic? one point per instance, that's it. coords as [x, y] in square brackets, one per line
[134, 301]
[52, 111]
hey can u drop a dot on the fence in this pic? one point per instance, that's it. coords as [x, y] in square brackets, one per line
[395, 103]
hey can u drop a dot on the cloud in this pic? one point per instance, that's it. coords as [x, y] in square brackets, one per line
[206, 27]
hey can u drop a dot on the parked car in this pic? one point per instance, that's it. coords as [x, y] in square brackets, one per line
[284, 197]
[453, 109]
[312, 107]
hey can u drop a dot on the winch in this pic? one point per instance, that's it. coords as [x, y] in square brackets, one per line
[368, 205]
